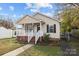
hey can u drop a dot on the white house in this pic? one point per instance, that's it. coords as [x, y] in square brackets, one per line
[6, 33]
[38, 25]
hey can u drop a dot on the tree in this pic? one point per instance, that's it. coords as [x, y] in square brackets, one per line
[71, 16]
[70, 19]
[6, 22]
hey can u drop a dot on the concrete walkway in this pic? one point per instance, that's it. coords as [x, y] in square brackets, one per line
[18, 51]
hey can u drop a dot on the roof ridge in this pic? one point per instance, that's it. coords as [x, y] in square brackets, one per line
[21, 18]
[44, 15]
[33, 17]
[26, 16]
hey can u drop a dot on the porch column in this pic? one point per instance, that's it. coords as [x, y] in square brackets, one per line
[40, 30]
[32, 29]
[24, 29]
[40, 26]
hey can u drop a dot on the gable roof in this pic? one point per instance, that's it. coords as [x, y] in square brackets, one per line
[45, 16]
[27, 19]
[35, 20]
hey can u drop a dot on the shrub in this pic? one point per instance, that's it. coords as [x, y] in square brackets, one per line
[46, 38]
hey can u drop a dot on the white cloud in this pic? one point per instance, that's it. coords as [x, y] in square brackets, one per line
[3, 14]
[28, 5]
[14, 15]
[22, 15]
[11, 8]
[36, 6]
[48, 14]
[34, 10]
[0, 8]
[39, 5]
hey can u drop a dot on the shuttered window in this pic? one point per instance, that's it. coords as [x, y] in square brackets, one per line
[51, 28]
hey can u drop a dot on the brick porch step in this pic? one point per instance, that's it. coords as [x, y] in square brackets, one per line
[22, 38]
[32, 41]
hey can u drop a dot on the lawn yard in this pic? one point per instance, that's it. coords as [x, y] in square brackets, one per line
[75, 44]
[38, 50]
[7, 45]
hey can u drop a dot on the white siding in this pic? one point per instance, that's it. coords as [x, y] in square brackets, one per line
[5, 33]
[50, 22]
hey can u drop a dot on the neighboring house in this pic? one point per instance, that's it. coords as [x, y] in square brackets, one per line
[38, 25]
[5, 33]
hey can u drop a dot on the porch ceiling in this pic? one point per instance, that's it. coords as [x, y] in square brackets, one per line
[27, 19]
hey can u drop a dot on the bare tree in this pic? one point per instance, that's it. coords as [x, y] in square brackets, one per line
[6, 22]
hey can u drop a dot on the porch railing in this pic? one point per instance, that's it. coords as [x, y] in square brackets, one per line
[20, 32]
[30, 35]
[38, 34]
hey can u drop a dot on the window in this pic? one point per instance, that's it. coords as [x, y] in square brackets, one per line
[51, 28]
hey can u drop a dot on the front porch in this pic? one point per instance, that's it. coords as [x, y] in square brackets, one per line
[30, 32]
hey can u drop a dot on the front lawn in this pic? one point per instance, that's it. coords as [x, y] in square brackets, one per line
[7, 45]
[38, 50]
[75, 44]
[41, 50]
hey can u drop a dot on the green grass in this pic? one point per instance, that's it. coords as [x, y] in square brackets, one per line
[8, 44]
[38, 50]
[74, 44]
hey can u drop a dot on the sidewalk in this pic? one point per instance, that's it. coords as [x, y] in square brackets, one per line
[18, 51]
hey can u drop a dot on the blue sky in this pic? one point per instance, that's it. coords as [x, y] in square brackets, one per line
[18, 10]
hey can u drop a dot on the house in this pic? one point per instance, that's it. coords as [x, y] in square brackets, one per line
[5, 33]
[38, 25]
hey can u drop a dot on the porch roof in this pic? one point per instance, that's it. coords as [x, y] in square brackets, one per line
[27, 19]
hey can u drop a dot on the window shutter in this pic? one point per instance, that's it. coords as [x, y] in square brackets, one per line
[54, 28]
[47, 28]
